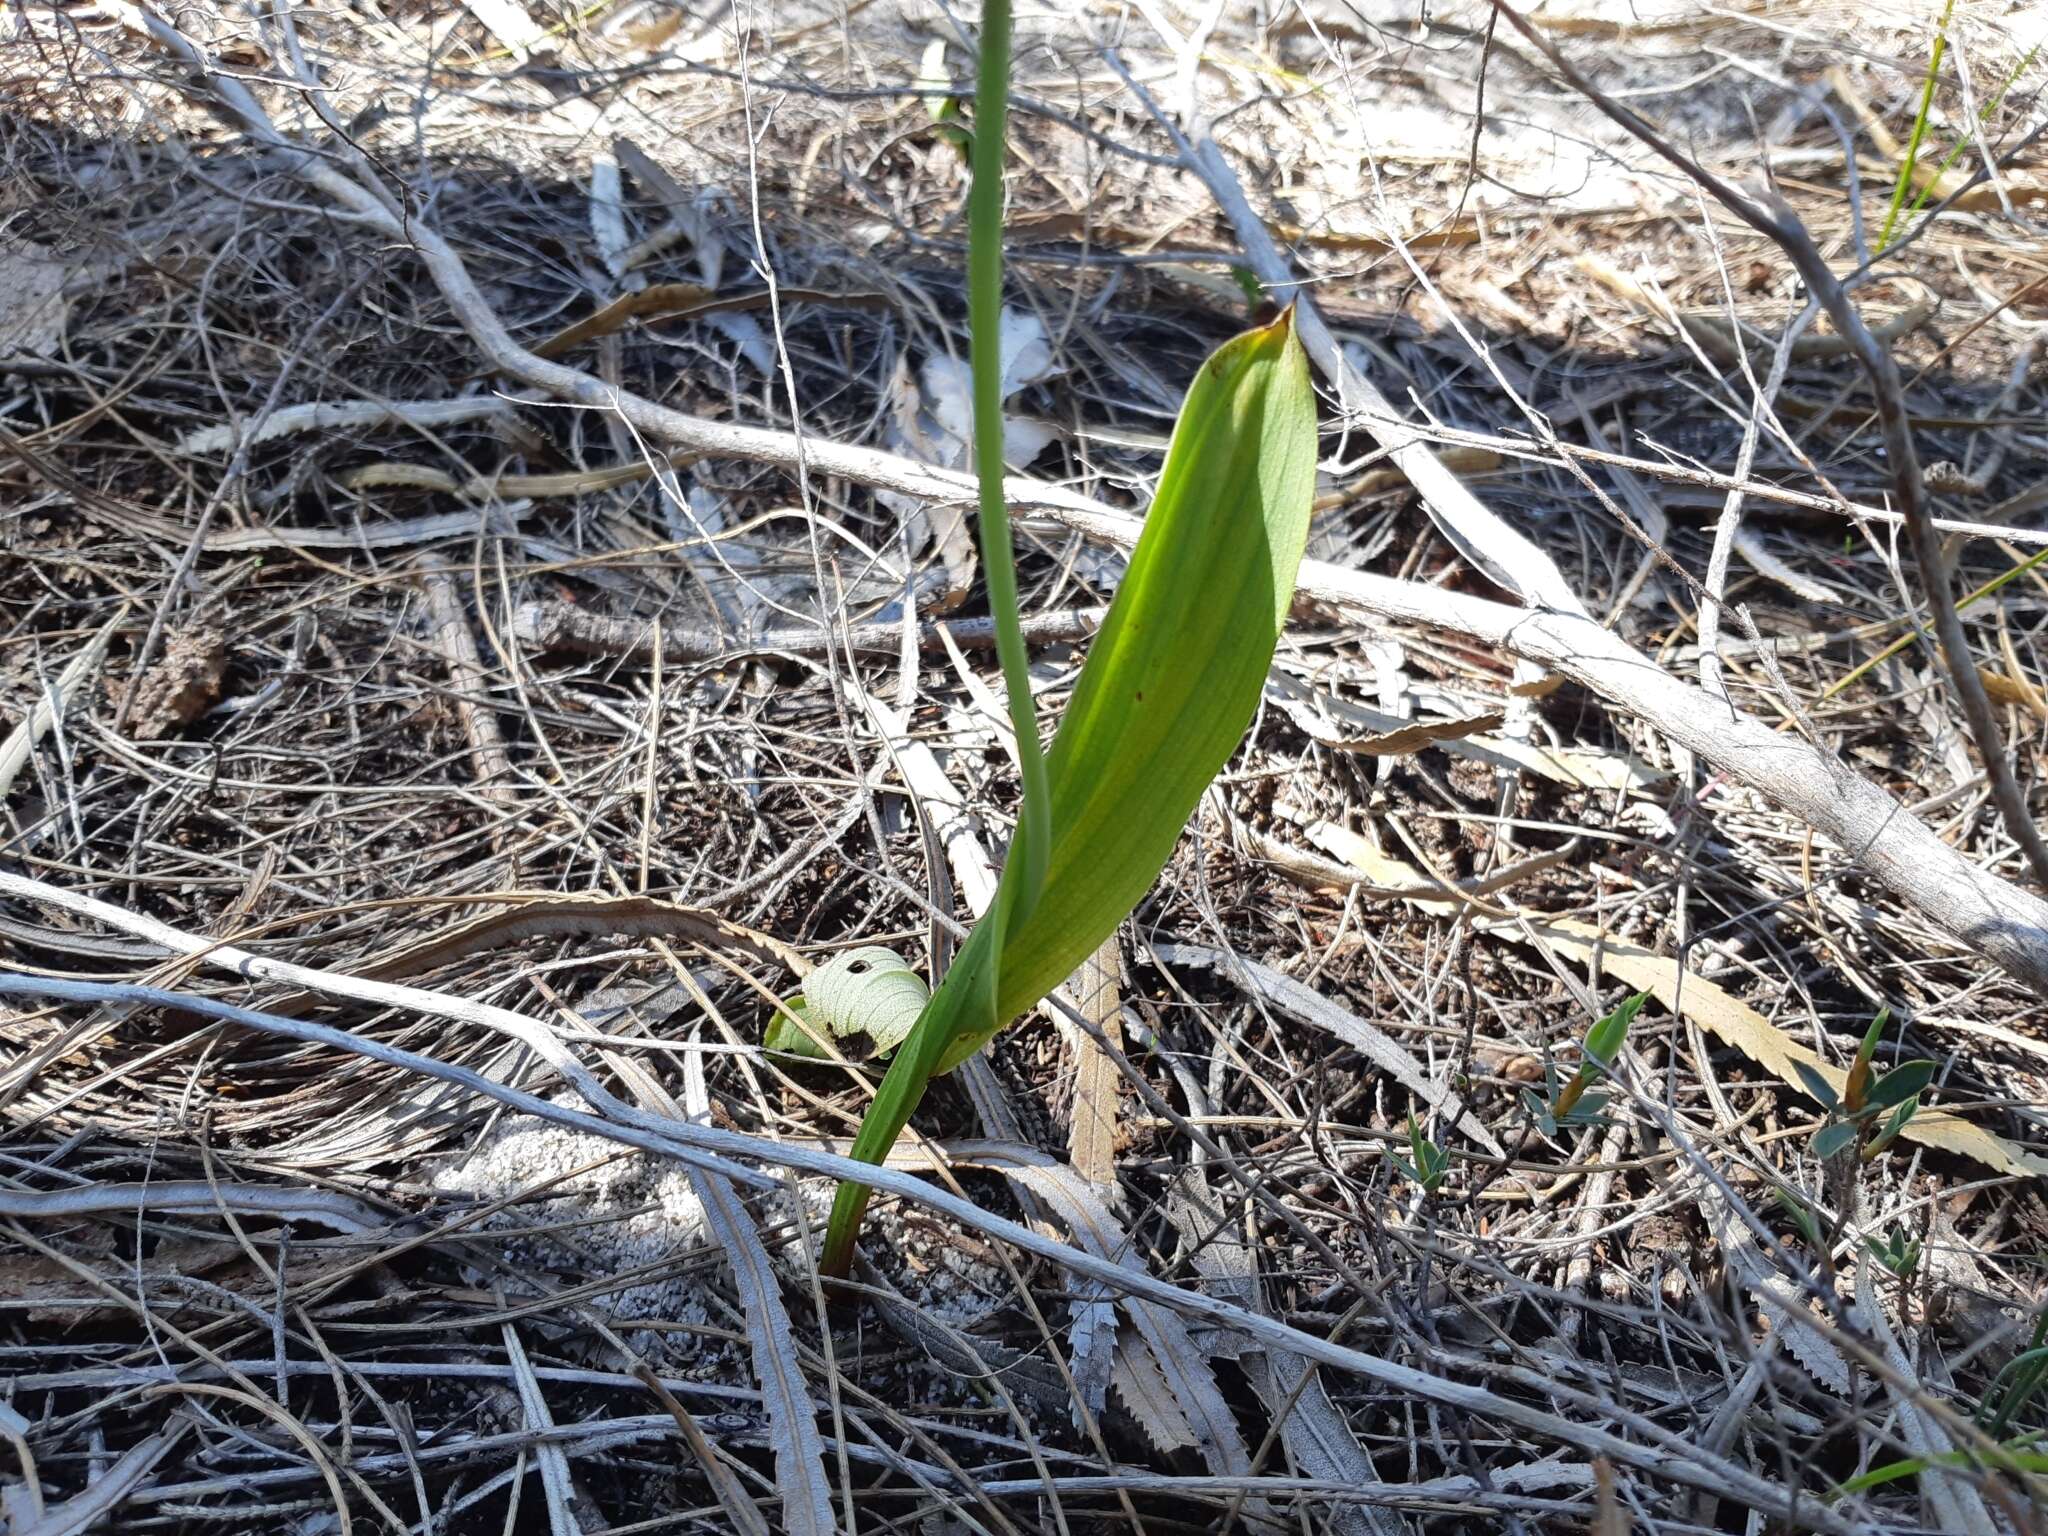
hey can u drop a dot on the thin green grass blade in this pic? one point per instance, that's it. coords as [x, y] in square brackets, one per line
[2005, 1458]
[1984, 112]
[1905, 176]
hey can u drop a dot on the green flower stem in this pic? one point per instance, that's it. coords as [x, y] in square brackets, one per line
[985, 325]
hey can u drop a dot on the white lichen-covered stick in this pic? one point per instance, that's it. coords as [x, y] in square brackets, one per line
[2005, 924]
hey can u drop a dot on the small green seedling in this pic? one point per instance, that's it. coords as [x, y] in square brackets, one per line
[2015, 1386]
[1896, 1252]
[1430, 1162]
[1870, 1111]
[1567, 1104]
[1804, 1217]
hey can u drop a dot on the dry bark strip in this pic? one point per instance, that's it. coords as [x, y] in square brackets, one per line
[1091, 1136]
[2005, 924]
[472, 689]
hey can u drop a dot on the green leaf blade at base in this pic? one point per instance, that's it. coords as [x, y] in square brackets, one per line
[1171, 682]
[1833, 1139]
[1176, 673]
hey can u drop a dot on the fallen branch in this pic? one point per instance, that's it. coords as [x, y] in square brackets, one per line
[1772, 217]
[563, 629]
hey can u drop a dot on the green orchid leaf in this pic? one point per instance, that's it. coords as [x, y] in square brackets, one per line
[1171, 683]
[868, 991]
[1833, 1139]
[794, 1031]
[1903, 1082]
[1175, 674]
[1815, 1084]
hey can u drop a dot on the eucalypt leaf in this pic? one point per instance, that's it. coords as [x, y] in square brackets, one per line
[1170, 684]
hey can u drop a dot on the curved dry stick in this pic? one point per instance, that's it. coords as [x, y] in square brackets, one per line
[1773, 218]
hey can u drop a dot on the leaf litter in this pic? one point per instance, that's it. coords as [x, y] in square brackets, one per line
[232, 384]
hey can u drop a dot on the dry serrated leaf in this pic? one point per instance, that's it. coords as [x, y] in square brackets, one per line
[1091, 1130]
[1315, 1432]
[1823, 1363]
[32, 306]
[1141, 1388]
[1418, 734]
[1163, 1333]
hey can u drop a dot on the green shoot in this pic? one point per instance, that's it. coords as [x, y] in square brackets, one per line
[1427, 1162]
[1172, 679]
[985, 326]
[1568, 1104]
[1929, 183]
[1896, 1252]
[1848, 678]
[2012, 1456]
[1857, 1090]
[1804, 1218]
[1870, 1111]
[2015, 1385]
[1905, 176]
